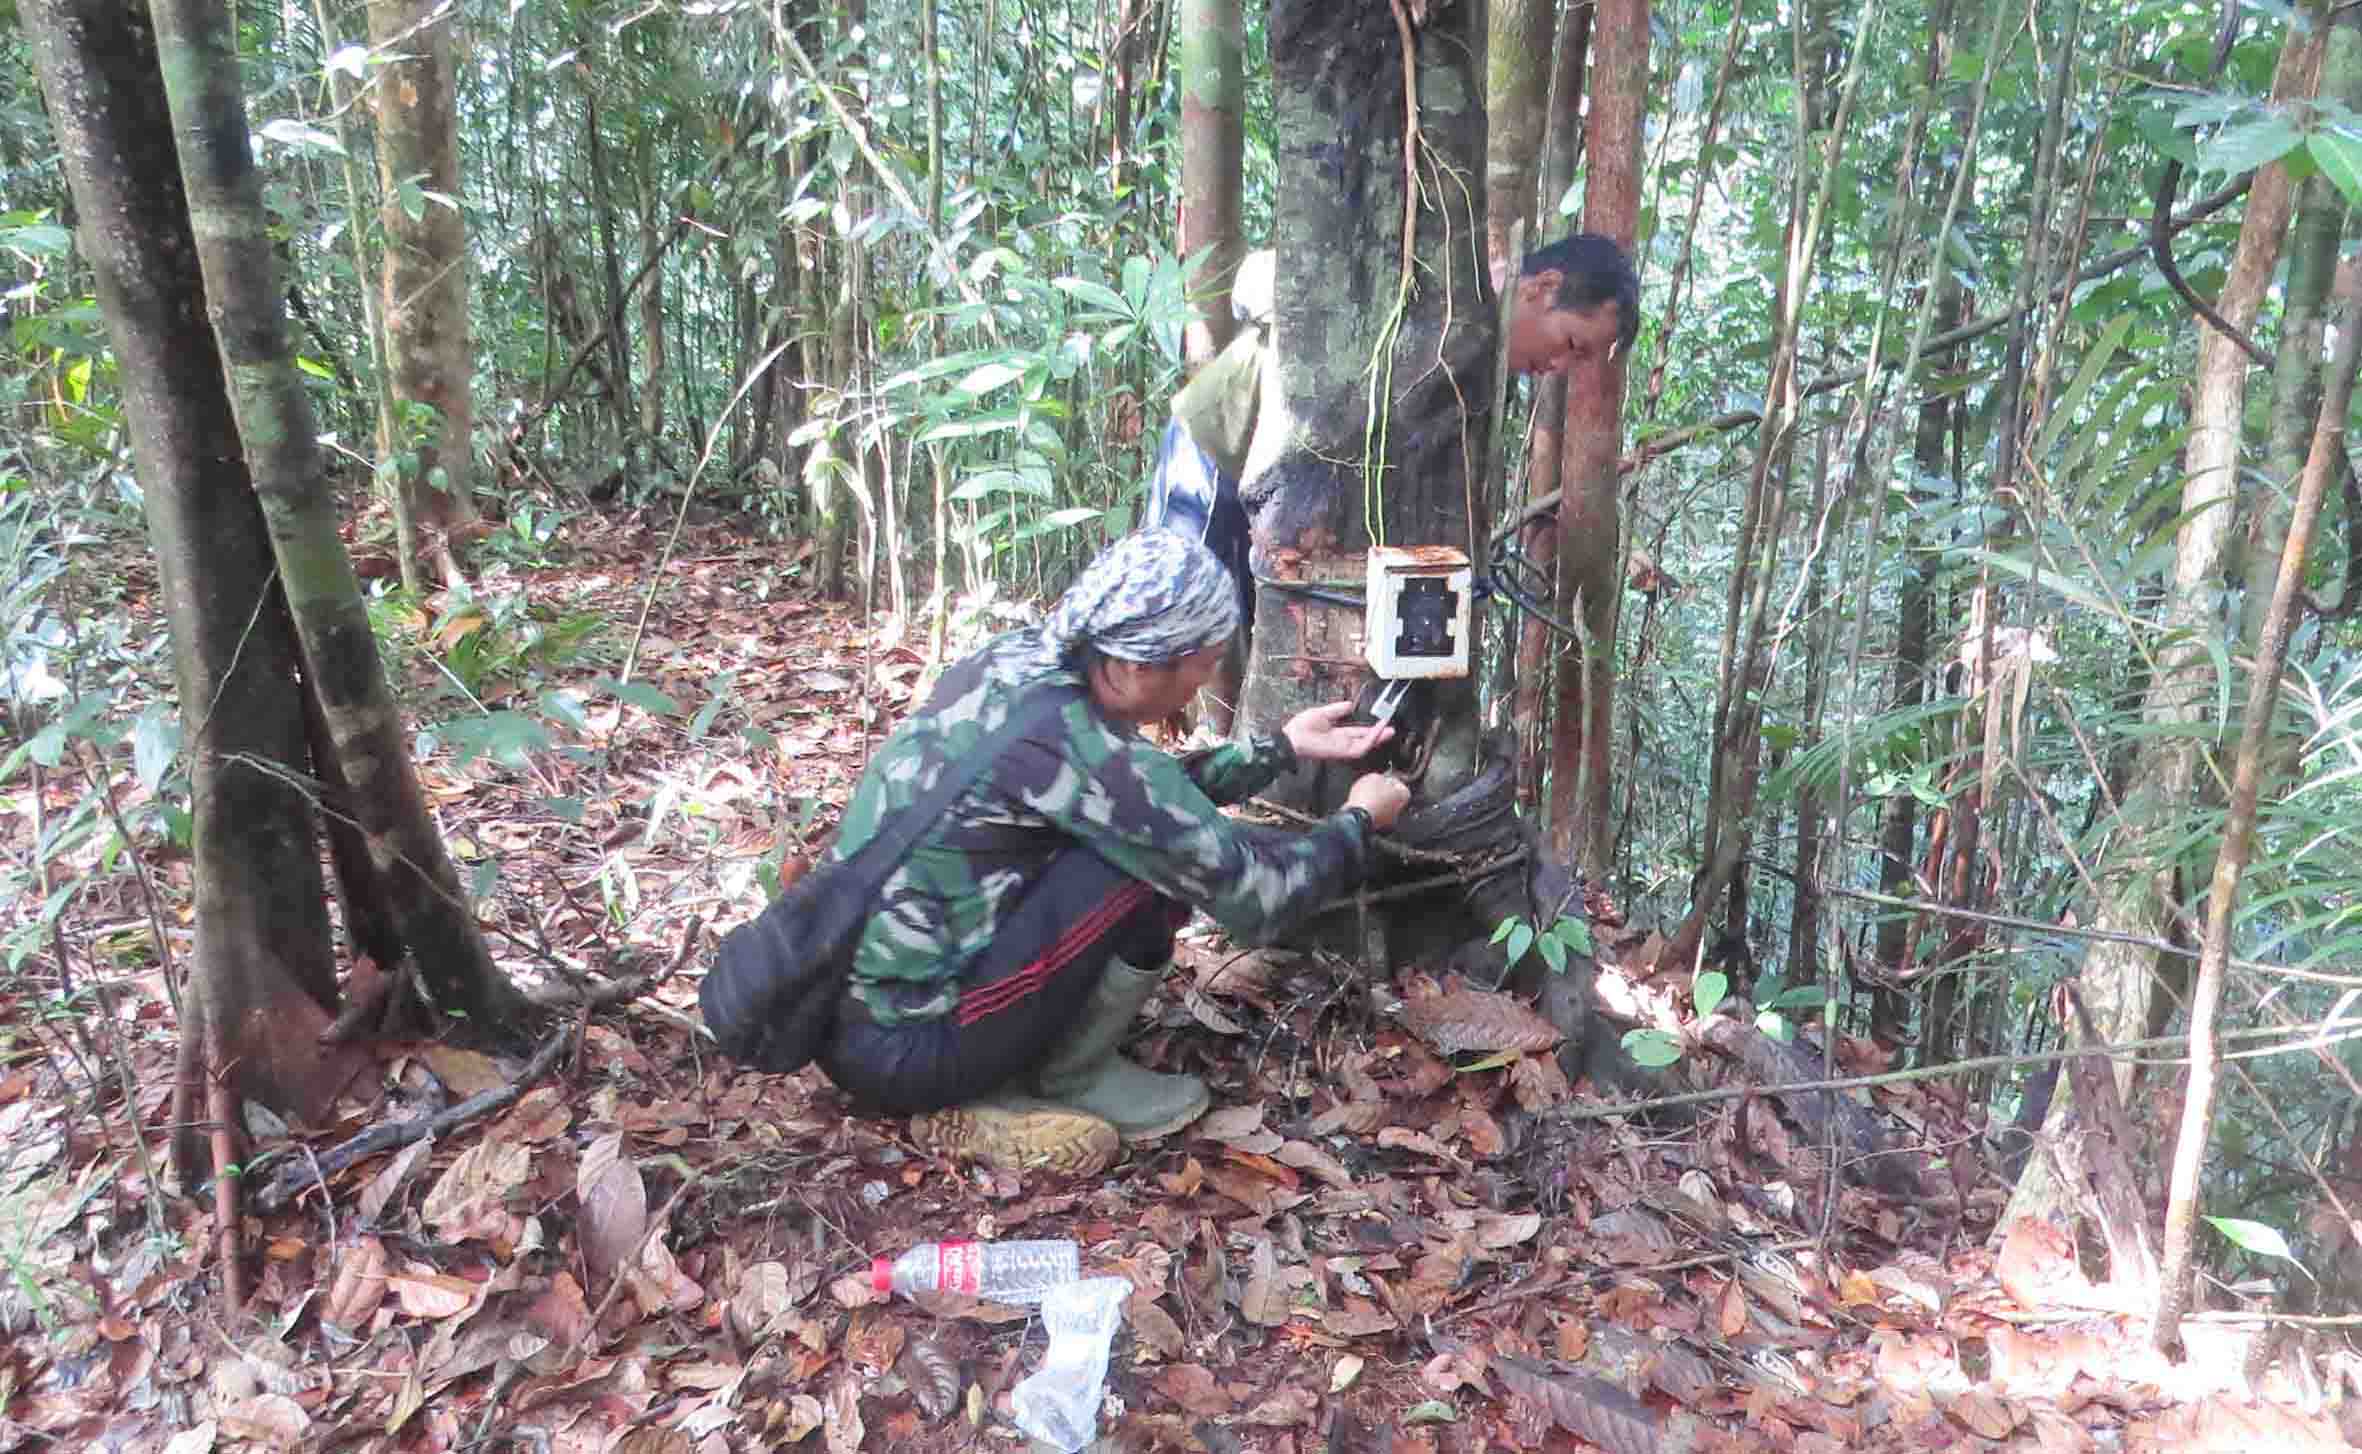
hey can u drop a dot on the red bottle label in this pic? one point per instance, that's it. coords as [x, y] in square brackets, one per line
[959, 1267]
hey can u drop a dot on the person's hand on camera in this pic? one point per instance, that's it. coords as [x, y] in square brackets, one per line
[1319, 734]
[1381, 796]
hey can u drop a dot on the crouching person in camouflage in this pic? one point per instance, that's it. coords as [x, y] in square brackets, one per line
[1011, 951]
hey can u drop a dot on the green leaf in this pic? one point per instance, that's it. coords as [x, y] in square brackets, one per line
[2340, 158]
[155, 741]
[1521, 939]
[1098, 295]
[1493, 1061]
[565, 810]
[1501, 930]
[1434, 1411]
[301, 135]
[988, 377]
[1574, 933]
[1775, 1025]
[1652, 1048]
[2256, 1237]
[1709, 990]
[2250, 144]
[1553, 953]
[640, 695]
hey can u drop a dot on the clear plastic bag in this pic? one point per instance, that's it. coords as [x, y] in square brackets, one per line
[1059, 1403]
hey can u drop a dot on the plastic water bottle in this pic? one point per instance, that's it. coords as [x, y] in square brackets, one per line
[1001, 1272]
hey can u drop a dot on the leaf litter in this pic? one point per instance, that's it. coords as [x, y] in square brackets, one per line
[1366, 1246]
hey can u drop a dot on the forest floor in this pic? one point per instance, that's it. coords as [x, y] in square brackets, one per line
[1369, 1245]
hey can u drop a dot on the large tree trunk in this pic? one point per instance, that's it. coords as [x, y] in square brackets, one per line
[263, 972]
[1517, 110]
[1213, 142]
[1377, 397]
[425, 296]
[274, 417]
[1590, 525]
[2141, 897]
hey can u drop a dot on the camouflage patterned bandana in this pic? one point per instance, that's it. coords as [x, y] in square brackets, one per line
[1153, 596]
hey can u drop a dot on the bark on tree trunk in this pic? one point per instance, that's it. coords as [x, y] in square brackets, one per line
[425, 292]
[1213, 142]
[1376, 398]
[263, 971]
[1590, 522]
[1517, 110]
[274, 418]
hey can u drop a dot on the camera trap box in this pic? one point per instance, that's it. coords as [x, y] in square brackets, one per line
[1417, 617]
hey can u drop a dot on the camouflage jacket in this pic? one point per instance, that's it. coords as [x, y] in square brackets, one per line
[1080, 780]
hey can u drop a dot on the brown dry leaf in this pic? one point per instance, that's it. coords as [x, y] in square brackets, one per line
[2223, 1425]
[614, 1207]
[1263, 1301]
[1982, 1413]
[382, 1186]
[1304, 1156]
[873, 1341]
[804, 1414]
[1195, 1389]
[196, 1439]
[464, 1072]
[854, 1290]
[1483, 1133]
[272, 1420]
[1539, 1083]
[1480, 1020]
[358, 1287]
[560, 1311]
[844, 1430]
[422, 1292]
[933, 1375]
[1496, 1230]
[650, 1439]
[1205, 1278]
[1732, 1309]
[1403, 1138]
[1186, 1181]
[1356, 1118]
[1240, 1127]
[2037, 1267]
[1210, 1015]
[1154, 1329]
[468, 1200]
[1588, 1408]
[1287, 1407]
[1681, 1374]
[1359, 1318]
[764, 1296]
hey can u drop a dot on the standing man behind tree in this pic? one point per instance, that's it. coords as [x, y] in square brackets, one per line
[1578, 305]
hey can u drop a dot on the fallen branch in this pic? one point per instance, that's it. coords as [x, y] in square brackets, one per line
[287, 1183]
[618, 991]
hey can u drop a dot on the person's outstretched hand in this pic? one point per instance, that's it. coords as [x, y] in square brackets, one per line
[1381, 796]
[1319, 734]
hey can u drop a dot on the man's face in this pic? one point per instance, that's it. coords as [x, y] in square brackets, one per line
[1142, 693]
[1544, 339]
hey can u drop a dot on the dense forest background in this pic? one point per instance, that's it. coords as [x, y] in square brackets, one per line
[1982, 626]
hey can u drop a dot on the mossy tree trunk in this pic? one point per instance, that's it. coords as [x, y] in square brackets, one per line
[425, 282]
[364, 748]
[262, 981]
[1377, 398]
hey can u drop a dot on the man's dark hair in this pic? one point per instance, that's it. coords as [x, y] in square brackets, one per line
[1591, 270]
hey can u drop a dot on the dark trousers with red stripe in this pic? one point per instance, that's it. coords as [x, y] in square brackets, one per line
[1020, 997]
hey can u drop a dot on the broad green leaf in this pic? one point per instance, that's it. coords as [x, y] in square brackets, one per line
[1711, 988]
[1098, 295]
[301, 135]
[1521, 939]
[155, 741]
[2249, 144]
[1574, 933]
[1652, 1048]
[1434, 1411]
[984, 380]
[1776, 1025]
[2340, 158]
[565, 810]
[2070, 403]
[1553, 953]
[1501, 930]
[640, 695]
[2256, 1237]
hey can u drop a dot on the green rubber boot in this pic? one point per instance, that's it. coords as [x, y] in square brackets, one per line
[1084, 1071]
[1011, 1132]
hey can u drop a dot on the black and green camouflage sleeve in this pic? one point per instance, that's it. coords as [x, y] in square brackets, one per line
[1234, 772]
[1135, 807]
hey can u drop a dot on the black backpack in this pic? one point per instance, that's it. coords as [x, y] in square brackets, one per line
[771, 997]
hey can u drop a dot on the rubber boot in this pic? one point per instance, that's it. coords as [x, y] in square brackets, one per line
[1084, 1071]
[1012, 1132]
